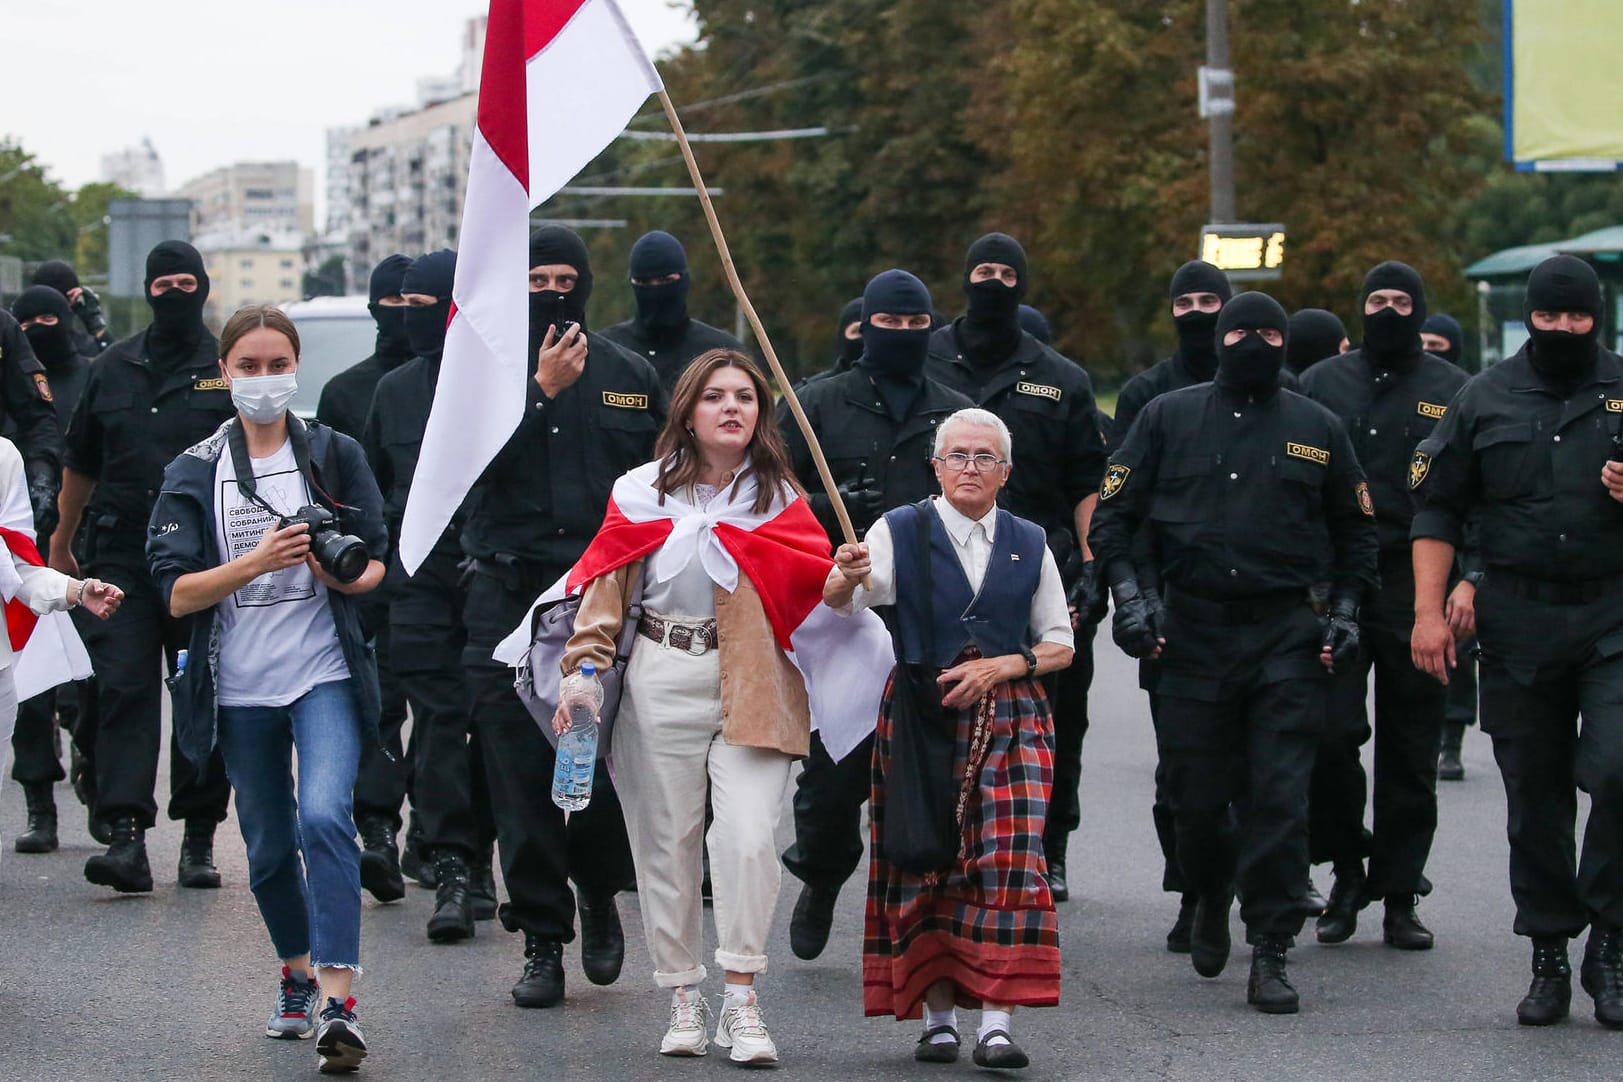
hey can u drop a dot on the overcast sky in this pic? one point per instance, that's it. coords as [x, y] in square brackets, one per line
[217, 81]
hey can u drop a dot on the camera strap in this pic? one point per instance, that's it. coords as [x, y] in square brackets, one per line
[298, 435]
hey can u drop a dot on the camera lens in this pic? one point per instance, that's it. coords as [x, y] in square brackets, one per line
[344, 556]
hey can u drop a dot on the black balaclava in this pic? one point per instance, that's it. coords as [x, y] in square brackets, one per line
[1035, 324]
[662, 310]
[1563, 283]
[1251, 365]
[52, 345]
[56, 274]
[1391, 338]
[1314, 335]
[393, 347]
[1197, 330]
[432, 275]
[847, 350]
[552, 245]
[990, 330]
[894, 359]
[1445, 326]
[177, 316]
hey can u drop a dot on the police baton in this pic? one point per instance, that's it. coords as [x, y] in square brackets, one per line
[737, 286]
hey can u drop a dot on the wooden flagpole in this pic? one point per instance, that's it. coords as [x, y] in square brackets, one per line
[755, 322]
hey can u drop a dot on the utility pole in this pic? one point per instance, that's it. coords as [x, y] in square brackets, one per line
[1217, 106]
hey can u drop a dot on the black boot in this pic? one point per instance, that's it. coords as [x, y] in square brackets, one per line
[1347, 897]
[1054, 850]
[1209, 935]
[40, 837]
[415, 862]
[812, 920]
[380, 861]
[1549, 997]
[1178, 937]
[542, 982]
[1269, 989]
[1313, 903]
[197, 869]
[124, 866]
[1402, 928]
[602, 941]
[1602, 974]
[453, 910]
[482, 890]
[1449, 767]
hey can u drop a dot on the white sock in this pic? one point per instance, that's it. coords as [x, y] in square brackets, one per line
[948, 1017]
[739, 994]
[991, 1020]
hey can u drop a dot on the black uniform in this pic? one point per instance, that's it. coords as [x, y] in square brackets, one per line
[26, 402]
[1240, 689]
[670, 349]
[1523, 452]
[135, 416]
[1388, 408]
[890, 461]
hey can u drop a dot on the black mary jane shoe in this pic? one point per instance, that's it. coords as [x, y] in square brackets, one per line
[927, 1051]
[1006, 1056]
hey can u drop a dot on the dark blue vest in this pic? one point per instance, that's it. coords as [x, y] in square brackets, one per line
[997, 620]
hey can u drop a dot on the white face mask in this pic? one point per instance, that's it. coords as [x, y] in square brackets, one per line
[263, 399]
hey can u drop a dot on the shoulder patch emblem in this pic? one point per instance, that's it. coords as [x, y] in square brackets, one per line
[1428, 409]
[1614, 405]
[1041, 390]
[215, 384]
[1115, 477]
[1418, 467]
[1305, 451]
[43, 385]
[1366, 504]
[625, 401]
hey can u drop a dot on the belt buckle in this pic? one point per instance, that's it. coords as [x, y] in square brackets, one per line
[698, 640]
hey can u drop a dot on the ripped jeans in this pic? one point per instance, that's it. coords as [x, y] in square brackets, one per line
[313, 907]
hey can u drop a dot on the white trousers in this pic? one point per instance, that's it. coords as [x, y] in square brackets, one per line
[8, 717]
[667, 751]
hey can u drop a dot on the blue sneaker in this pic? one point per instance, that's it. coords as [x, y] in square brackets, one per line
[338, 1039]
[294, 1017]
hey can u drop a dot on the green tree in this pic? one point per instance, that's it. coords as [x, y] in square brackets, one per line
[34, 223]
[326, 280]
[88, 211]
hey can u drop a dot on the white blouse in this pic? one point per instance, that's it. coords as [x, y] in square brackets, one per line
[40, 588]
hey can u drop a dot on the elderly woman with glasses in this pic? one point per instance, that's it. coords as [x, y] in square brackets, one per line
[980, 932]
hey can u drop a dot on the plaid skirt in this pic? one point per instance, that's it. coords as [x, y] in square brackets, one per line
[987, 923]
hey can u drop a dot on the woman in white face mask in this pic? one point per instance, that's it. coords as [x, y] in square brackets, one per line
[278, 661]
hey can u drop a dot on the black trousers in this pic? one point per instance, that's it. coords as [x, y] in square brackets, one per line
[427, 639]
[1068, 692]
[382, 783]
[540, 852]
[33, 743]
[1408, 730]
[129, 652]
[829, 796]
[1555, 730]
[1462, 685]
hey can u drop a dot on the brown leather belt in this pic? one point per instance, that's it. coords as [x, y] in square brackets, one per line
[694, 639]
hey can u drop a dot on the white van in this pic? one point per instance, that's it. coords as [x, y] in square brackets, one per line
[334, 333]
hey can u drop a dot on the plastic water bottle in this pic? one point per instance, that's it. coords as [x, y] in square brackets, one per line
[180, 661]
[582, 696]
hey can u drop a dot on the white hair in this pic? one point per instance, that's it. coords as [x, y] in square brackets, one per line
[978, 418]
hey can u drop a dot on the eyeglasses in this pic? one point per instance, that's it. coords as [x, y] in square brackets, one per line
[957, 461]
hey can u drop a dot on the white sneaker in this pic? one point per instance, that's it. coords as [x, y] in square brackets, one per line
[690, 1015]
[742, 1029]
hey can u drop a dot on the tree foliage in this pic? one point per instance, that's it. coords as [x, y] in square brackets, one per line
[40, 219]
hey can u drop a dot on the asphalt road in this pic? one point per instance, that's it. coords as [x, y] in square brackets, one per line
[177, 984]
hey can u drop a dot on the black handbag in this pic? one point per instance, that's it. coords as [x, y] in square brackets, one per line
[920, 830]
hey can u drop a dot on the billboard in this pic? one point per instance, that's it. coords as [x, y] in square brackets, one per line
[1563, 88]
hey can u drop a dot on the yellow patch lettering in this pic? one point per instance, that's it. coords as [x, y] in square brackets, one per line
[625, 401]
[1311, 454]
[1041, 390]
[1428, 409]
[1614, 405]
[215, 384]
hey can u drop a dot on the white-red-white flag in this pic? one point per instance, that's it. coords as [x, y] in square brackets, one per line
[561, 78]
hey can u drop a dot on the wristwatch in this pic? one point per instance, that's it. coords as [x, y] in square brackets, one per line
[1474, 577]
[1031, 660]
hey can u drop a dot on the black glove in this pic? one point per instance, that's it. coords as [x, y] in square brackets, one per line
[88, 309]
[1341, 630]
[43, 485]
[864, 502]
[1137, 623]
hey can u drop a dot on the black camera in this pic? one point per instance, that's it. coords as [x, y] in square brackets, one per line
[88, 309]
[343, 556]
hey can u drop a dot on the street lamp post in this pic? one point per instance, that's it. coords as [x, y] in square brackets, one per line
[1217, 106]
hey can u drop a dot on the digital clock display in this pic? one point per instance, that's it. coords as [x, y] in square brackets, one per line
[1245, 252]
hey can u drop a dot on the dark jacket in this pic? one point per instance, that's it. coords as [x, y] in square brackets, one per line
[670, 354]
[347, 397]
[181, 541]
[25, 398]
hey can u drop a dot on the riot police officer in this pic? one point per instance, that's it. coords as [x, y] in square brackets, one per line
[1046, 400]
[1243, 653]
[149, 397]
[876, 423]
[592, 411]
[45, 319]
[1525, 448]
[1315, 334]
[663, 331]
[92, 335]
[1390, 394]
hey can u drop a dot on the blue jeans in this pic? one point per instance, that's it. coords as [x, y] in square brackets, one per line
[321, 917]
